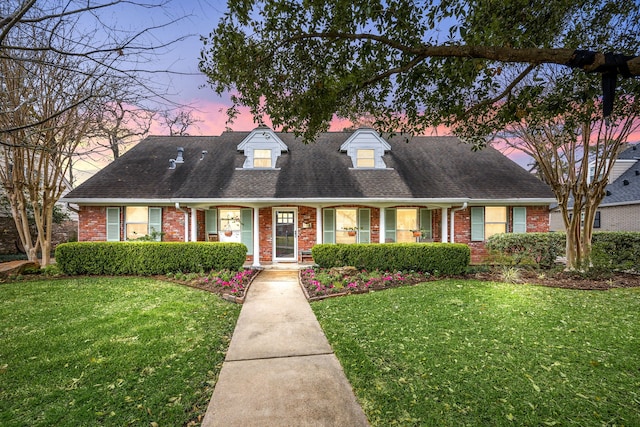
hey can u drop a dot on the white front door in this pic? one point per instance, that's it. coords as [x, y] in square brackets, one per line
[285, 234]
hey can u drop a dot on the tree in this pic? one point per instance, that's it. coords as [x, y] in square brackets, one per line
[475, 67]
[179, 122]
[58, 64]
[573, 153]
[413, 65]
[36, 158]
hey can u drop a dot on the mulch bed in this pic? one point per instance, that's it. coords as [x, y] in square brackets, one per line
[569, 280]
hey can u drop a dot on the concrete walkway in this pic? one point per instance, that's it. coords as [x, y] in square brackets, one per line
[280, 369]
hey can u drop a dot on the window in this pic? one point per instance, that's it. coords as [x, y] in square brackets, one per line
[346, 225]
[596, 220]
[365, 158]
[142, 221]
[487, 221]
[113, 224]
[262, 158]
[400, 224]
[233, 225]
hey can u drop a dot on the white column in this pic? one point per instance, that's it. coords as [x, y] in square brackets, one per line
[453, 227]
[381, 228]
[319, 225]
[443, 226]
[194, 225]
[256, 237]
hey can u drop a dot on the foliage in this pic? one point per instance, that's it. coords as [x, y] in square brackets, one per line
[616, 251]
[542, 249]
[231, 282]
[473, 353]
[321, 282]
[411, 65]
[611, 250]
[109, 351]
[147, 258]
[443, 258]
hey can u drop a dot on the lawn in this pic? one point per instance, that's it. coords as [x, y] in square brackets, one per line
[458, 353]
[109, 351]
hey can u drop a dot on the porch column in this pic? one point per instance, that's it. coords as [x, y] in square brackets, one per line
[194, 225]
[381, 227]
[443, 226]
[319, 225]
[256, 237]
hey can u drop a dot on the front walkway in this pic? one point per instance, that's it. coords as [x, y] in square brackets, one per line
[280, 369]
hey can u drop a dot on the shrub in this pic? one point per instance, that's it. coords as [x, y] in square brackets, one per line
[436, 258]
[616, 251]
[540, 249]
[147, 258]
[610, 250]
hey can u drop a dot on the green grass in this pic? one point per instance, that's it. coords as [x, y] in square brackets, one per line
[458, 353]
[109, 351]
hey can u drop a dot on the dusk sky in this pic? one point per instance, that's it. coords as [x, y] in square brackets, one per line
[201, 16]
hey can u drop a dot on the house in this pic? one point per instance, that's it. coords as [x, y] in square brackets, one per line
[280, 196]
[620, 207]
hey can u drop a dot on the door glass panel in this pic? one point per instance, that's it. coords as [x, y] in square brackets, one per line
[285, 234]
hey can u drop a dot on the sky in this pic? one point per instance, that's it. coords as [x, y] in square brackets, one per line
[186, 84]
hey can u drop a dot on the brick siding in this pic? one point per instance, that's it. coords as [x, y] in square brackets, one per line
[92, 227]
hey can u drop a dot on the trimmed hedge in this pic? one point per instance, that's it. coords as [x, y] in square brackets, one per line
[540, 249]
[609, 251]
[616, 251]
[434, 258]
[148, 258]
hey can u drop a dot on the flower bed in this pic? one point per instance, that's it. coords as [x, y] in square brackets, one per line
[321, 283]
[222, 282]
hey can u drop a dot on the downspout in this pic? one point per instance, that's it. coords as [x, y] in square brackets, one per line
[453, 211]
[186, 221]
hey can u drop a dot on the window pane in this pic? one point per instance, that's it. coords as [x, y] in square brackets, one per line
[137, 214]
[135, 231]
[261, 158]
[495, 214]
[346, 218]
[229, 219]
[491, 229]
[365, 158]
[406, 220]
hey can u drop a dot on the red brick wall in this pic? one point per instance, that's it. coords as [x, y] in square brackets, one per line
[92, 224]
[266, 234]
[92, 227]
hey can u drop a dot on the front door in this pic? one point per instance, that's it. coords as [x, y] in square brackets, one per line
[285, 235]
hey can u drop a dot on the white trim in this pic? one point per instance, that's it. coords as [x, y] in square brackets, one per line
[194, 225]
[256, 237]
[388, 201]
[275, 209]
[444, 226]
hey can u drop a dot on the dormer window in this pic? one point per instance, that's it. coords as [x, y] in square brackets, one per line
[262, 147]
[262, 158]
[366, 149]
[365, 158]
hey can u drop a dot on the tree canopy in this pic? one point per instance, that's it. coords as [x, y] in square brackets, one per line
[473, 66]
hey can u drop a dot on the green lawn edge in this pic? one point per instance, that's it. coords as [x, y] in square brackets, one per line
[465, 352]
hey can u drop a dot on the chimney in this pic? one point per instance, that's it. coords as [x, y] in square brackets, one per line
[180, 159]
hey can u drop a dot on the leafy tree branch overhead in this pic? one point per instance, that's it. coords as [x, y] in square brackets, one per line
[418, 64]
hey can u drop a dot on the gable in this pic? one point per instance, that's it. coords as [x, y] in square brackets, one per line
[262, 148]
[366, 149]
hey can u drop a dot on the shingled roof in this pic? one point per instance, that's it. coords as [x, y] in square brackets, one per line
[626, 188]
[424, 168]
